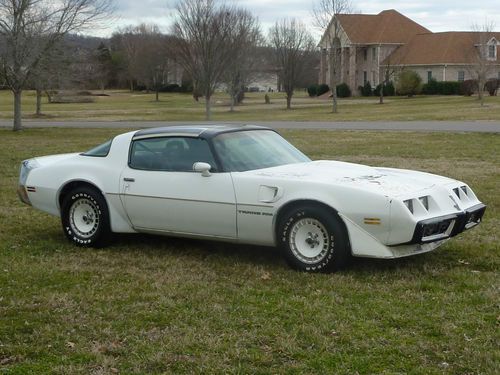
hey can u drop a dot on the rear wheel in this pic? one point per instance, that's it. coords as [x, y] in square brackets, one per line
[313, 239]
[85, 217]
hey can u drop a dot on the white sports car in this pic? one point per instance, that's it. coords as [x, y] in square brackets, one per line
[247, 184]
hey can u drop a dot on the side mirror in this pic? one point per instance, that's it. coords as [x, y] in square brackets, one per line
[203, 168]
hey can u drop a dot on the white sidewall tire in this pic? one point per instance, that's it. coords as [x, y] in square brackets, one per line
[333, 252]
[95, 233]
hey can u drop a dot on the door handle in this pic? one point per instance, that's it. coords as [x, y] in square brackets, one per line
[128, 179]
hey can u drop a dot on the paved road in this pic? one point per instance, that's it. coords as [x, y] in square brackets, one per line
[444, 126]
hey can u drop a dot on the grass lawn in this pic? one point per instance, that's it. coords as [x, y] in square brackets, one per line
[122, 105]
[160, 305]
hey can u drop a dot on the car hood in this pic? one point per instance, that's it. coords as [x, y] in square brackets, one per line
[387, 181]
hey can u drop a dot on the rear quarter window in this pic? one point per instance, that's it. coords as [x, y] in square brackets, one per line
[99, 151]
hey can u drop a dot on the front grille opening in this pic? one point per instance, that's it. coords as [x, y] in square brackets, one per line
[464, 189]
[438, 230]
[457, 192]
[473, 219]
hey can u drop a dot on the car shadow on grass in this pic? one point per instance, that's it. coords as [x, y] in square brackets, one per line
[198, 249]
[214, 251]
[231, 254]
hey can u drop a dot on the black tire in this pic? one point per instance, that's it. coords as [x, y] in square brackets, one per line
[313, 239]
[85, 217]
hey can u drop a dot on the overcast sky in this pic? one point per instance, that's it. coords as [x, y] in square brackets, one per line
[436, 15]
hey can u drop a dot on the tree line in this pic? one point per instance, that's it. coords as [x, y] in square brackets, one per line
[215, 44]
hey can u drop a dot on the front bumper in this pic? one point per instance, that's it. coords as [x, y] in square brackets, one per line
[444, 227]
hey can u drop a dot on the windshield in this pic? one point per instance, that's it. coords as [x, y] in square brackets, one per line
[255, 149]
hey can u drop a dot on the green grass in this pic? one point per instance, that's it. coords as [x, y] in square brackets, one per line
[122, 105]
[161, 305]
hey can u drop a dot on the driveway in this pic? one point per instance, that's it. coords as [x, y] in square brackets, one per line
[440, 126]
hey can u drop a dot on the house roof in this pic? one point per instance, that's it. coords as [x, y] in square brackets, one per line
[453, 47]
[389, 26]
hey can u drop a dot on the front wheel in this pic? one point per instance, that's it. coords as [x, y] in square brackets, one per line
[313, 239]
[85, 217]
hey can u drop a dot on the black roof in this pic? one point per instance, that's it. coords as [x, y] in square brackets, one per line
[201, 131]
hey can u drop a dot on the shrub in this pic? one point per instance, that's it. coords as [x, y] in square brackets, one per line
[492, 86]
[468, 87]
[186, 85]
[343, 90]
[441, 88]
[449, 88]
[409, 83]
[267, 99]
[388, 89]
[171, 87]
[366, 90]
[431, 87]
[322, 89]
[312, 90]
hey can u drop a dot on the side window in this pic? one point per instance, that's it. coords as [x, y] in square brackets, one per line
[175, 154]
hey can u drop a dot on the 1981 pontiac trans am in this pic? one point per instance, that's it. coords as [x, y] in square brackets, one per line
[247, 184]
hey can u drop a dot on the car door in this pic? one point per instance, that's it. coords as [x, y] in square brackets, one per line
[161, 192]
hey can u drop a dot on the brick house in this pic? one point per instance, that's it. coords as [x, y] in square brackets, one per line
[370, 44]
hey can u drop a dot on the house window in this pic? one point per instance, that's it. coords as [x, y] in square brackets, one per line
[373, 77]
[461, 76]
[365, 54]
[429, 75]
[374, 53]
[492, 51]
[365, 77]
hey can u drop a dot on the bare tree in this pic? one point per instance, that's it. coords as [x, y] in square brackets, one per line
[324, 13]
[30, 28]
[152, 62]
[146, 53]
[292, 45]
[389, 70]
[51, 73]
[128, 42]
[240, 67]
[482, 63]
[207, 35]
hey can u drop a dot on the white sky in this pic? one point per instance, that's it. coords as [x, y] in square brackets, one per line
[436, 15]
